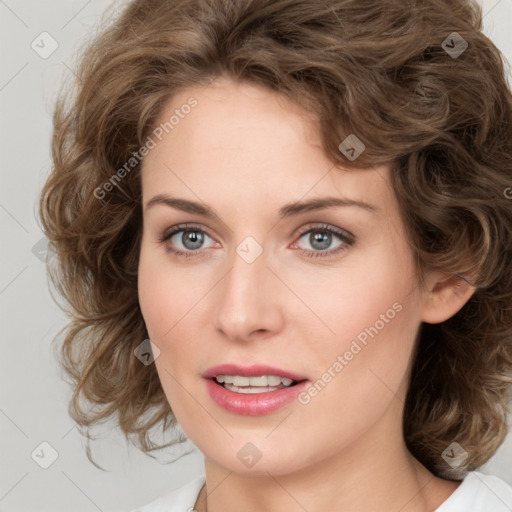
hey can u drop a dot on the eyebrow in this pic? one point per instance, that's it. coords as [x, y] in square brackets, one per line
[287, 210]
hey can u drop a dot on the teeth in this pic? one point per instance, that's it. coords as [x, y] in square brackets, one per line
[261, 381]
[249, 391]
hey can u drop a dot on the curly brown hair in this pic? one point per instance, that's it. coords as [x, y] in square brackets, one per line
[386, 71]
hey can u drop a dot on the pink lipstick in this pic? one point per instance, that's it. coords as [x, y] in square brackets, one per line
[236, 388]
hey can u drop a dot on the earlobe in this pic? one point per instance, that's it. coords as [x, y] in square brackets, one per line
[445, 296]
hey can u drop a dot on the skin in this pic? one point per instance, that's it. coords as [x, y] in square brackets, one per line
[246, 151]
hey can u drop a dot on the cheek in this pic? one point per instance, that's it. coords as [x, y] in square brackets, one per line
[162, 307]
[150, 297]
[161, 298]
[372, 312]
[172, 301]
[361, 369]
[167, 293]
[359, 294]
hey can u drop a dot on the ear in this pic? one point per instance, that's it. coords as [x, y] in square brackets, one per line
[445, 295]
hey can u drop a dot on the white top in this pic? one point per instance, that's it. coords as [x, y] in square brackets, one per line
[476, 493]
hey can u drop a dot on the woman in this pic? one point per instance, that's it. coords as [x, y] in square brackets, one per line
[285, 226]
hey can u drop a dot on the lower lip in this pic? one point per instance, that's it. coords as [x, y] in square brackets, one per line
[255, 404]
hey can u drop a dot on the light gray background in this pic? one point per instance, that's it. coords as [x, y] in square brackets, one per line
[33, 399]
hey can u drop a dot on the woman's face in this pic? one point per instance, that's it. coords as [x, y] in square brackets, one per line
[327, 294]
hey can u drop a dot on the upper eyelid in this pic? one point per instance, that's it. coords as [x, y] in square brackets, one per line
[187, 227]
[325, 227]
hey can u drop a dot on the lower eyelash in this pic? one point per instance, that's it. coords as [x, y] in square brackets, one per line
[184, 254]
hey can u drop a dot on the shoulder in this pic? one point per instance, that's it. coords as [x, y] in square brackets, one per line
[182, 499]
[479, 493]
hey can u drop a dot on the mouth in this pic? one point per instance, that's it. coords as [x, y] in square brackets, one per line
[253, 390]
[253, 400]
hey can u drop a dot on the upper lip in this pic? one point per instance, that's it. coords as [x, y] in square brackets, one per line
[250, 371]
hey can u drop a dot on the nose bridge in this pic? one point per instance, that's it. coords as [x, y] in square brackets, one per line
[247, 300]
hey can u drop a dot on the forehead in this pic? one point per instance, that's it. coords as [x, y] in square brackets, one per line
[243, 140]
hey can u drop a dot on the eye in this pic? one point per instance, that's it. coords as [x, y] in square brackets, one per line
[188, 241]
[185, 240]
[321, 238]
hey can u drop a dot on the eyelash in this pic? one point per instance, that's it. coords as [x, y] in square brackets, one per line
[347, 239]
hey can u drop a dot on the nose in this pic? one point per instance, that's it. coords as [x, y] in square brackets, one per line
[249, 300]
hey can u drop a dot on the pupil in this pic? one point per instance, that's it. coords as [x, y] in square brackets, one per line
[192, 239]
[321, 238]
